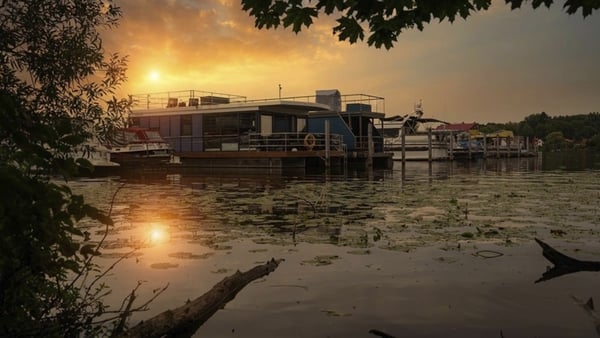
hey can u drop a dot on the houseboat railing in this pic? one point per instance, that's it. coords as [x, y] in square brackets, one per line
[193, 97]
[257, 142]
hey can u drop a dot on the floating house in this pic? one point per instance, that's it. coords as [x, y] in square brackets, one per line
[353, 117]
[217, 130]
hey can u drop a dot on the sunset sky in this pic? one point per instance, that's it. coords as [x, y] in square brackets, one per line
[498, 66]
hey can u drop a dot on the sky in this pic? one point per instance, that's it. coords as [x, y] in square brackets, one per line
[497, 66]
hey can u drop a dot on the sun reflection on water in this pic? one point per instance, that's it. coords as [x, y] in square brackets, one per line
[157, 234]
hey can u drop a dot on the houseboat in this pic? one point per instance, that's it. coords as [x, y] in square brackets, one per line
[217, 130]
[412, 137]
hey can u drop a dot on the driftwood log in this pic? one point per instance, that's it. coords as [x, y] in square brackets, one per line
[563, 264]
[185, 320]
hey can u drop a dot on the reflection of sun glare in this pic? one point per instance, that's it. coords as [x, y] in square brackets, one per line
[157, 234]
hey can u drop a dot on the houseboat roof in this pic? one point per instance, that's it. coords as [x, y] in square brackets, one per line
[328, 113]
[286, 107]
[197, 101]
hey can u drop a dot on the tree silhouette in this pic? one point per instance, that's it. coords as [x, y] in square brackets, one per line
[384, 20]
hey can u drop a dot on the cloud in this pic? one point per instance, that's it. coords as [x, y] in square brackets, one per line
[498, 65]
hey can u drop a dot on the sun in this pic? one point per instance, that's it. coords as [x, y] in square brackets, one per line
[154, 76]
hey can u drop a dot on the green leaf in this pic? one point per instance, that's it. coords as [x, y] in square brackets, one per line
[349, 29]
[298, 17]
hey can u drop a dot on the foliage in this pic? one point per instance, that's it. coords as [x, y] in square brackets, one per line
[581, 129]
[384, 20]
[594, 143]
[555, 141]
[54, 77]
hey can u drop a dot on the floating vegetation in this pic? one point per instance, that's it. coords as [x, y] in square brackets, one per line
[332, 313]
[189, 255]
[163, 266]
[387, 214]
[112, 255]
[448, 260]
[221, 271]
[257, 250]
[359, 252]
[321, 260]
[488, 254]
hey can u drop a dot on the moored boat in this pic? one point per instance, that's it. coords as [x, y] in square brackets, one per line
[421, 142]
[136, 145]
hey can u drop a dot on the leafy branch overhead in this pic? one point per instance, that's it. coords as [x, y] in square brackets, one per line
[383, 20]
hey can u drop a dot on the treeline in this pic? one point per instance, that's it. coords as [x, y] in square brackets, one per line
[558, 132]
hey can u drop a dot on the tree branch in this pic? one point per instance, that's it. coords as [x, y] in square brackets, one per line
[563, 264]
[185, 320]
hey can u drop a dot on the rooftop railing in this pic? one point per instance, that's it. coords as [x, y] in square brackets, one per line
[186, 98]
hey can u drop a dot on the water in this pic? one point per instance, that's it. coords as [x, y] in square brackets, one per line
[400, 251]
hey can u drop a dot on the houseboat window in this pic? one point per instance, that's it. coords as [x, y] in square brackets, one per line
[209, 123]
[282, 124]
[228, 124]
[130, 136]
[301, 124]
[247, 123]
[222, 124]
[186, 125]
[135, 121]
[153, 135]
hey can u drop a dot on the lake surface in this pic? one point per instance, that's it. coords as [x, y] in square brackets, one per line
[445, 250]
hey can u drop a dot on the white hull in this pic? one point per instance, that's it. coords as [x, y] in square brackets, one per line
[420, 155]
[416, 148]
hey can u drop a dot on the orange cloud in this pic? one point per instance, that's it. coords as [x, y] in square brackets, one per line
[496, 66]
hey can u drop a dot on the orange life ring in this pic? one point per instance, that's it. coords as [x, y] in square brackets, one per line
[309, 141]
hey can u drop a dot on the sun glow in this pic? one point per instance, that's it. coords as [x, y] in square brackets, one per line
[154, 76]
[157, 234]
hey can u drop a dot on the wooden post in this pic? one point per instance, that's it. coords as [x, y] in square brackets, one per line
[327, 144]
[429, 134]
[469, 145]
[497, 146]
[484, 145]
[370, 144]
[451, 146]
[403, 138]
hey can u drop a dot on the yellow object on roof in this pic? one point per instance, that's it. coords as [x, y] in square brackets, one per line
[502, 134]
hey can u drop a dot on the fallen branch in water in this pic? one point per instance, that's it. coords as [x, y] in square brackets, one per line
[185, 320]
[563, 264]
